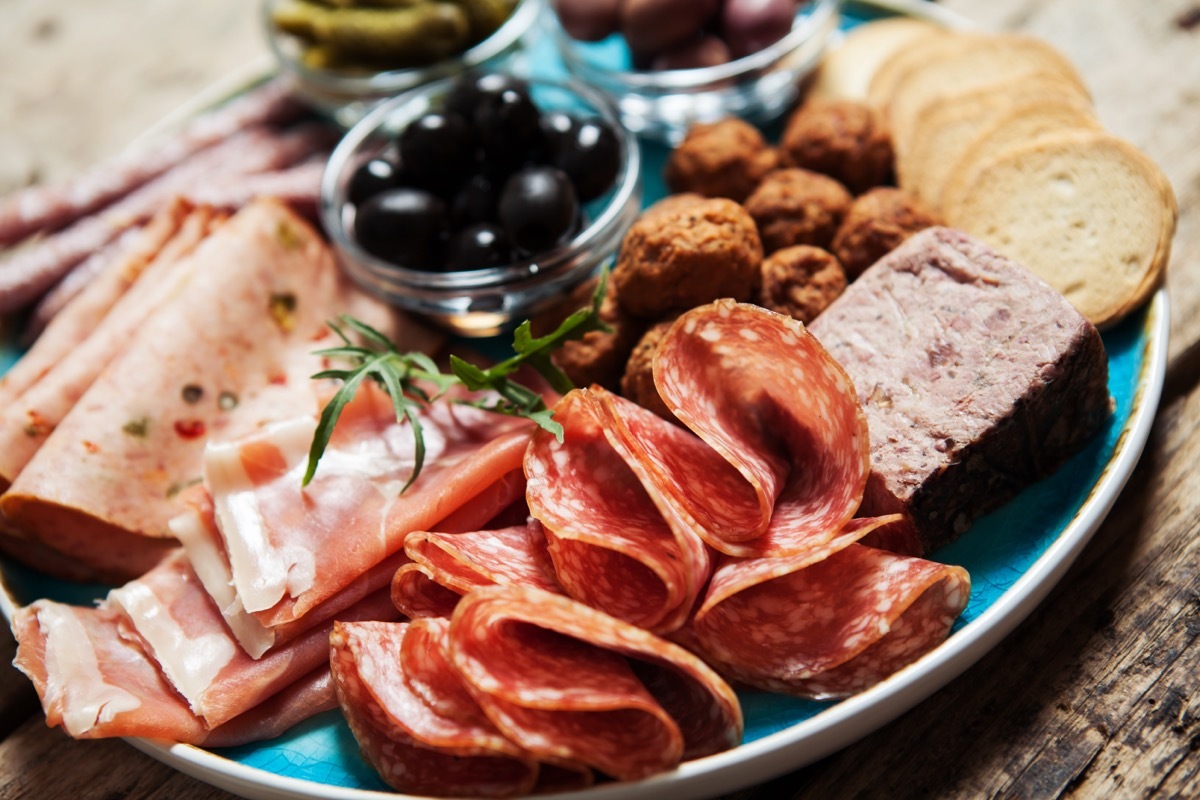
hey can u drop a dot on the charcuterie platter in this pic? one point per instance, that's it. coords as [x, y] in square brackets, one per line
[1014, 556]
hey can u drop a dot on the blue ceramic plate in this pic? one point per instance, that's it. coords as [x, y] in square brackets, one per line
[1014, 556]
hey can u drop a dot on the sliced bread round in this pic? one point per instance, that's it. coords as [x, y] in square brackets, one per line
[847, 69]
[1086, 211]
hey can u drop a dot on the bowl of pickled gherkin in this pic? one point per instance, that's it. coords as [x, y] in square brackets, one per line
[346, 55]
[482, 200]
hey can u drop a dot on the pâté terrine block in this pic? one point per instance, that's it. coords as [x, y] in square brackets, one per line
[977, 379]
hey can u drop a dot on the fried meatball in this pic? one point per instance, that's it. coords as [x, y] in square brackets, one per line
[637, 384]
[876, 224]
[795, 206]
[598, 357]
[800, 282]
[685, 255]
[844, 139]
[720, 159]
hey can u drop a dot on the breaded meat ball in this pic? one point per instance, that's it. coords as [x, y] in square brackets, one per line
[876, 224]
[800, 282]
[637, 384]
[843, 139]
[676, 258]
[720, 159]
[795, 206]
[598, 357]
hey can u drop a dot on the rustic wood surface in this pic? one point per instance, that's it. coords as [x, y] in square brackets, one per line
[1096, 694]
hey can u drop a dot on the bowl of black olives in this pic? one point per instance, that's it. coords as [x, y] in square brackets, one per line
[481, 200]
[345, 56]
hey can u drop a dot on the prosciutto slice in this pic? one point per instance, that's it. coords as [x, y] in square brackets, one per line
[567, 682]
[445, 566]
[95, 683]
[179, 626]
[290, 548]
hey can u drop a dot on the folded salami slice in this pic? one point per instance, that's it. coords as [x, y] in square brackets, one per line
[291, 548]
[447, 565]
[628, 555]
[414, 720]
[766, 396]
[828, 623]
[95, 683]
[559, 679]
[178, 625]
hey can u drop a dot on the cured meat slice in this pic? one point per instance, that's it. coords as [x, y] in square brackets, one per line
[830, 623]
[627, 556]
[229, 351]
[179, 626]
[447, 565]
[352, 515]
[52, 206]
[433, 740]
[764, 393]
[94, 683]
[556, 677]
[74, 358]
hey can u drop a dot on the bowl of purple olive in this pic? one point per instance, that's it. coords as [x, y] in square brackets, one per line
[481, 200]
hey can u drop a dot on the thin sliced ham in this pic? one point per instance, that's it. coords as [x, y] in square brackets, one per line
[445, 566]
[95, 683]
[290, 548]
[559, 679]
[179, 626]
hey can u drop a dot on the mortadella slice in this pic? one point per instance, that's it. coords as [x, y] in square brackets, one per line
[565, 681]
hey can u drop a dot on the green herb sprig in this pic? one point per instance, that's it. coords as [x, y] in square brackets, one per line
[413, 381]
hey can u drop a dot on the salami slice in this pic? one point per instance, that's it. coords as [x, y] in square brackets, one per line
[826, 624]
[428, 741]
[623, 556]
[557, 678]
[764, 393]
[446, 565]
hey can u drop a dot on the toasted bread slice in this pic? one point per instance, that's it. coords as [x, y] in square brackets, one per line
[992, 60]
[920, 49]
[943, 135]
[847, 69]
[1086, 211]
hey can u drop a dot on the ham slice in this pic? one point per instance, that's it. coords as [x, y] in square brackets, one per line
[228, 350]
[276, 533]
[95, 683]
[179, 626]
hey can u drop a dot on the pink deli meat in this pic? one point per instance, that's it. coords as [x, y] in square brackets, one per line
[291, 548]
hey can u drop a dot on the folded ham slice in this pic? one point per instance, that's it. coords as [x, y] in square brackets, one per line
[228, 350]
[291, 548]
[96, 683]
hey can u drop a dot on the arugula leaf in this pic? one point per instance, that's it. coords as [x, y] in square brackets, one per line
[408, 377]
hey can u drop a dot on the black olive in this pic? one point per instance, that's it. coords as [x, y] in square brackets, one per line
[439, 149]
[538, 208]
[590, 154]
[377, 175]
[507, 125]
[479, 247]
[470, 90]
[404, 226]
[555, 127]
[474, 203]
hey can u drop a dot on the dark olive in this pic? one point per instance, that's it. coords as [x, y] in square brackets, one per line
[475, 202]
[439, 149]
[404, 226]
[554, 131]
[507, 124]
[538, 208]
[590, 154]
[470, 90]
[479, 247]
[372, 177]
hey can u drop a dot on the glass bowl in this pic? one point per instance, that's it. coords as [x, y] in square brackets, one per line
[487, 301]
[346, 95]
[663, 104]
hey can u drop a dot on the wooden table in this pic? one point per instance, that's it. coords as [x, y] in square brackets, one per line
[1097, 694]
